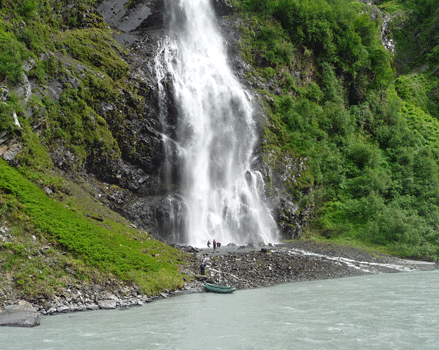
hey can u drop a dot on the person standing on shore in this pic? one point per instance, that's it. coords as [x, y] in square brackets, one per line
[203, 268]
[214, 244]
[208, 244]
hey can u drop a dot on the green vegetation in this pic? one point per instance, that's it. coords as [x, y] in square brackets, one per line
[370, 137]
[66, 45]
[92, 251]
[57, 242]
[96, 48]
[364, 123]
[11, 54]
[417, 34]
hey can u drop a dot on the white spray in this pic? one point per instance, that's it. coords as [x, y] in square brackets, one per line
[214, 137]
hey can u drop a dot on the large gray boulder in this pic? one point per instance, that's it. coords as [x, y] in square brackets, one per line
[22, 314]
[107, 304]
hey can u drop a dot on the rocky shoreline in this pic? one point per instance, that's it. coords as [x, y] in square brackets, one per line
[253, 267]
[243, 267]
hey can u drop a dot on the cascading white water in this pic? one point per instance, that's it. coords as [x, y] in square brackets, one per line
[214, 136]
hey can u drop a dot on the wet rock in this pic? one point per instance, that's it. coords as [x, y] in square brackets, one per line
[113, 11]
[125, 40]
[223, 7]
[22, 314]
[140, 14]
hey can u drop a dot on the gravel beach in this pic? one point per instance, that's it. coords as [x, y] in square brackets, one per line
[253, 266]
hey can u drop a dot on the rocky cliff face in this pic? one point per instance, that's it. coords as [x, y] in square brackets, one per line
[154, 211]
[145, 204]
[133, 119]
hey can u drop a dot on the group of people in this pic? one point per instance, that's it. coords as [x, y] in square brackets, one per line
[203, 263]
[215, 244]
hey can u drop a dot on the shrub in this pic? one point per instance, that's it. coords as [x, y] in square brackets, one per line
[27, 8]
[11, 54]
[96, 48]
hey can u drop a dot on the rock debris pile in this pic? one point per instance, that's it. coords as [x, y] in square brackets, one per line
[252, 267]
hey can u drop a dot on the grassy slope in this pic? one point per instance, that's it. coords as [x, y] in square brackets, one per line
[94, 249]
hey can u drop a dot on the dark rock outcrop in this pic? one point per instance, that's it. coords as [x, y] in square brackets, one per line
[140, 168]
[128, 16]
[223, 7]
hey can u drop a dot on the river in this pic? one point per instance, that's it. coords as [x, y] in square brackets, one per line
[384, 311]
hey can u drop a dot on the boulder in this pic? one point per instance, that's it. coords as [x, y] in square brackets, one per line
[63, 309]
[107, 304]
[22, 314]
[9, 151]
[23, 89]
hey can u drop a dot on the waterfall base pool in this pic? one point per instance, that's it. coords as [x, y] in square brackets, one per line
[386, 311]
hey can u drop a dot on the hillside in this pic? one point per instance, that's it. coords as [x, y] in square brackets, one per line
[349, 148]
[66, 96]
[361, 118]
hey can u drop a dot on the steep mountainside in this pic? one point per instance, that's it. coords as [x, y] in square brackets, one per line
[349, 131]
[350, 95]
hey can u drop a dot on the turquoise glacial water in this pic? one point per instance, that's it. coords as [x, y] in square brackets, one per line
[385, 311]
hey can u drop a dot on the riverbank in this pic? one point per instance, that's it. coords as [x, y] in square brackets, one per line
[251, 266]
[243, 267]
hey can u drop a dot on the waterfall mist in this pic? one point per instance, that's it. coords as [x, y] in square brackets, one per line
[214, 192]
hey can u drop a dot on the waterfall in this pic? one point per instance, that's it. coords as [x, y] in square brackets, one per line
[214, 192]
